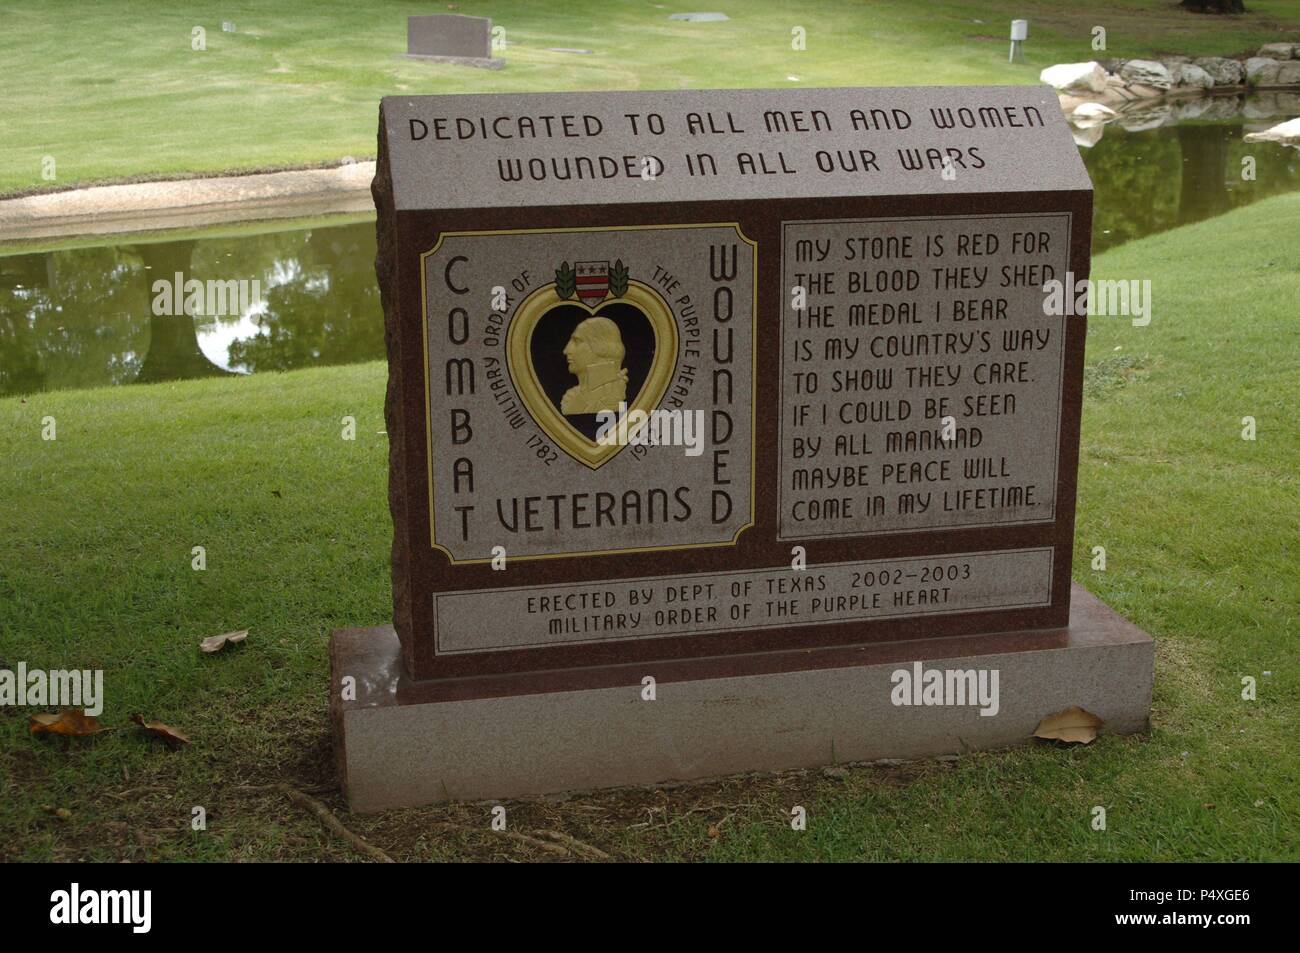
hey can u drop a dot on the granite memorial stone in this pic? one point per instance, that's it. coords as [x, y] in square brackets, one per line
[452, 38]
[751, 396]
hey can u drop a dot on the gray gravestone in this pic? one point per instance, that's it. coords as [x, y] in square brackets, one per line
[452, 38]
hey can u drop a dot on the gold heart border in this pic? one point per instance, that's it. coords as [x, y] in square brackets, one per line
[519, 361]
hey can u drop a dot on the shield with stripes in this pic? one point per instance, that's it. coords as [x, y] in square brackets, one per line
[592, 281]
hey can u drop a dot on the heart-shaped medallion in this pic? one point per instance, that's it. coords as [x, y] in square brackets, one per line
[592, 347]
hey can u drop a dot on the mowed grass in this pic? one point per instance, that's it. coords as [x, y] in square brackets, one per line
[113, 90]
[1200, 529]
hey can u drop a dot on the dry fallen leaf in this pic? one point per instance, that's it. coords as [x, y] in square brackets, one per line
[68, 721]
[215, 643]
[62, 813]
[1074, 724]
[713, 831]
[172, 736]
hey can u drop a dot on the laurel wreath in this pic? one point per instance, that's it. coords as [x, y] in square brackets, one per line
[618, 279]
[566, 282]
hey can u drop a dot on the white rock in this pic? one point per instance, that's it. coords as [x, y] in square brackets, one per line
[1288, 74]
[1224, 71]
[1143, 91]
[1075, 76]
[1146, 73]
[1189, 74]
[1287, 133]
[1258, 64]
[1274, 73]
[1278, 51]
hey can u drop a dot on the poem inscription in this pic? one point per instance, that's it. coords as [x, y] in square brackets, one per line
[920, 378]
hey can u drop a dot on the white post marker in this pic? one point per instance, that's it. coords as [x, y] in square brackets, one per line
[1019, 33]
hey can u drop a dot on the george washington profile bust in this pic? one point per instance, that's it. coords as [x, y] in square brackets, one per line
[595, 354]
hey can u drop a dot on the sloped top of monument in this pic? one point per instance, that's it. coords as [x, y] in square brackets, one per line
[542, 149]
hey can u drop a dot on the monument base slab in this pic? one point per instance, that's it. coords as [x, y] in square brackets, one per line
[479, 62]
[403, 743]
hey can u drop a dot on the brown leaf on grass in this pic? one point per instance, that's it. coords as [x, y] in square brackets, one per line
[215, 643]
[172, 736]
[68, 721]
[1073, 725]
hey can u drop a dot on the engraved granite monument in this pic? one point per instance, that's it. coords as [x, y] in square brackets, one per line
[708, 413]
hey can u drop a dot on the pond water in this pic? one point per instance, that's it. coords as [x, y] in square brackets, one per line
[82, 317]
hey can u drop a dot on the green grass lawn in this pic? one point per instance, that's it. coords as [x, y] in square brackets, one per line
[1199, 525]
[113, 90]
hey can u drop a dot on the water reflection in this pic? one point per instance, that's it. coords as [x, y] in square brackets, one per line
[1152, 180]
[83, 318]
[174, 352]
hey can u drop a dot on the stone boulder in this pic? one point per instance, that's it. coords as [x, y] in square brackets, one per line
[1075, 77]
[1256, 65]
[1288, 74]
[1142, 91]
[1146, 73]
[1267, 72]
[1280, 51]
[1192, 76]
[1223, 71]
